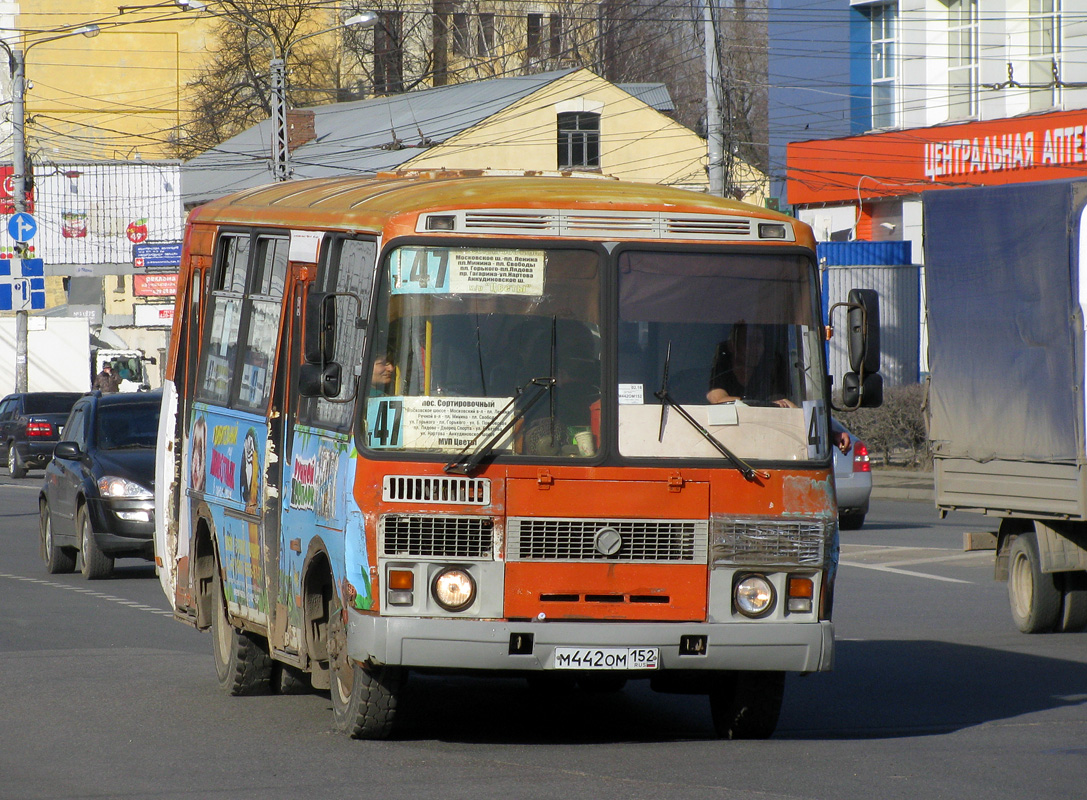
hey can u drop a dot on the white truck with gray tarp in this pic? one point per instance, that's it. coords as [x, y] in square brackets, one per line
[1006, 296]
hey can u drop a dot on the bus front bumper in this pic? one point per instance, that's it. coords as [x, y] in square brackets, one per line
[461, 644]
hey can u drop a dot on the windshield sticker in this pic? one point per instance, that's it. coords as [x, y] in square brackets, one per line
[518, 272]
[631, 394]
[815, 423]
[433, 423]
[482, 271]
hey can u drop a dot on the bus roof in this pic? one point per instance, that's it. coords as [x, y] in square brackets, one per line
[370, 203]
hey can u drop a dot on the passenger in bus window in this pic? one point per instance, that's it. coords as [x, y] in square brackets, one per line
[744, 368]
[381, 381]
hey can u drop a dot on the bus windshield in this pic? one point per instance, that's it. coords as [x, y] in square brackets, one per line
[462, 332]
[472, 341]
[734, 338]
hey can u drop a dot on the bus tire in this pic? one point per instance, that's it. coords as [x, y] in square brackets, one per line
[1033, 595]
[242, 663]
[746, 705]
[1073, 602]
[94, 563]
[364, 698]
[57, 559]
[289, 680]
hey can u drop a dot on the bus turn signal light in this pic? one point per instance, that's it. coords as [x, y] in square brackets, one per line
[801, 593]
[401, 587]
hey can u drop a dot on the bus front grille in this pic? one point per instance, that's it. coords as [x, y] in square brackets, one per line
[420, 536]
[609, 540]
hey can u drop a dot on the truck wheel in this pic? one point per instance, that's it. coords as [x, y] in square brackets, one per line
[1033, 594]
[1073, 602]
[363, 698]
[94, 564]
[57, 559]
[242, 663]
[289, 680]
[746, 705]
[16, 467]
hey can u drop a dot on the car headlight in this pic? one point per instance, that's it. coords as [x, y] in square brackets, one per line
[113, 486]
[454, 589]
[753, 596]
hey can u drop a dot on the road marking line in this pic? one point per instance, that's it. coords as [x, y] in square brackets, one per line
[121, 601]
[911, 573]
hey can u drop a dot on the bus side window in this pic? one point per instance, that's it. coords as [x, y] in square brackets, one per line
[347, 270]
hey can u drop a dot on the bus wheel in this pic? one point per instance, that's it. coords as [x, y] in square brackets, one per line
[242, 663]
[746, 705]
[1073, 602]
[363, 698]
[289, 680]
[1033, 595]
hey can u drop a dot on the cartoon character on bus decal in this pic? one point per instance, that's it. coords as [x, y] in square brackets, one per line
[250, 470]
[198, 460]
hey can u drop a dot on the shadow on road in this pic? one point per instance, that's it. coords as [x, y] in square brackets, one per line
[879, 690]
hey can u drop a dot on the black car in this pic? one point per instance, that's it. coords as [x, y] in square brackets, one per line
[97, 502]
[30, 424]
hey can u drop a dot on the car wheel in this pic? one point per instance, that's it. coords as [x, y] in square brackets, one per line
[16, 468]
[94, 563]
[242, 663]
[57, 559]
[746, 705]
[363, 698]
[1033, 595]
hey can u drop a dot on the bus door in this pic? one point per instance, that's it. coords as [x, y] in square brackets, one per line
[319, 512]
[229, 422]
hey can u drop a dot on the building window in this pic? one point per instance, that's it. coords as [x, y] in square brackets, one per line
[579, 140]
[461, 35]
[962, 58]
[388, 54]
[884, 28]
[1045, 50]
[485, 39]
[555, 37]
[535, 37]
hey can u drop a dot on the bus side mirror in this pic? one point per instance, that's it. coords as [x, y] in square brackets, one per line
[857, 393]
[863, 322]
[315, 380]
[320, 328]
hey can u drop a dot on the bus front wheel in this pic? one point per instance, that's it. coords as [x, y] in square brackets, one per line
[363, 698]
[746, 705]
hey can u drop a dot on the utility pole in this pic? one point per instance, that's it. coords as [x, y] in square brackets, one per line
[18, 137]
[715, 140]
[281, 150]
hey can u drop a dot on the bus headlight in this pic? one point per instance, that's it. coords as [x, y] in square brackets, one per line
[753, 596]
[454, 589]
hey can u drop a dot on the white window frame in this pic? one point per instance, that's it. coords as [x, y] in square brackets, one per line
[1044, 22]
[962, 58]
[883, 29]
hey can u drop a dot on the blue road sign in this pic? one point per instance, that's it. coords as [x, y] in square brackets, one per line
[22, 227]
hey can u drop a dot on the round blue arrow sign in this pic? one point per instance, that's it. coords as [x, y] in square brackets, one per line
[22, 227]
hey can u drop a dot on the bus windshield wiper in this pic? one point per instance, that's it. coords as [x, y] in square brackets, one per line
[522, 402]
[749, 472]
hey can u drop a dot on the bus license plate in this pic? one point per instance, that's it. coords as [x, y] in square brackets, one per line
[606, 658]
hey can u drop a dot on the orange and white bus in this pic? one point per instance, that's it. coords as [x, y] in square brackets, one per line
[558, 427]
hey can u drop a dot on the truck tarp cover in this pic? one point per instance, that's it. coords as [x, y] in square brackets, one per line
[998, 267]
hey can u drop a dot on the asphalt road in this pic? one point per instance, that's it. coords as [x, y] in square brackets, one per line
[934, 695]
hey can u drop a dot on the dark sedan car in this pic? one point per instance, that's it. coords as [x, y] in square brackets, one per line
[30, 424]
[97, 501]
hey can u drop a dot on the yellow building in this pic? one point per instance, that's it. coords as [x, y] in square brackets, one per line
[119, 94]
[568, 120]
